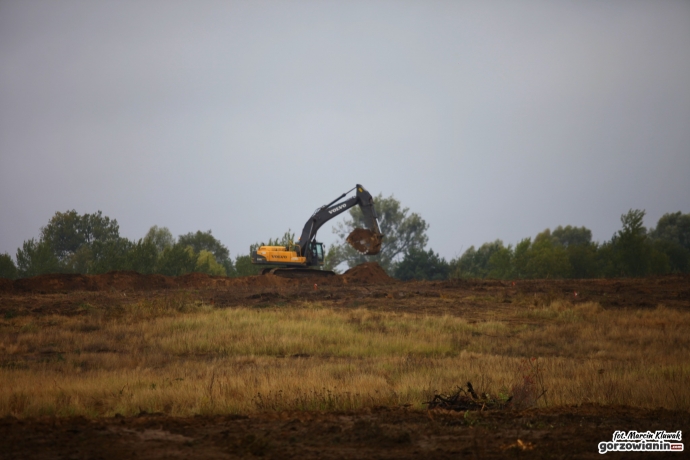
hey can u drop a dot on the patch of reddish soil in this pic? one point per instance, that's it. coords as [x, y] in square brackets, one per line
[384, 433]
[364, 286]
[123, 280]
[369, 272]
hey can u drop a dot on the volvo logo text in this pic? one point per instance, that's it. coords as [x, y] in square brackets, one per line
[338, 208]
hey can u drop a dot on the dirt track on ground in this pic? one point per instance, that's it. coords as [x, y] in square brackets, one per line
[393, 432]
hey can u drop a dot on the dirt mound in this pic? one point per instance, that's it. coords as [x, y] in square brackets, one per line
[6, 285]
[123, 280]
[56, 282]
[369, 272]
[365, 241]
[193, 280]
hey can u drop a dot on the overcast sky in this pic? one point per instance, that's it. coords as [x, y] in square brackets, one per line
[491, 119]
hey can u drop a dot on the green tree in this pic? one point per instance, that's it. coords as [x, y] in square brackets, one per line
[206, 263]
[545, 259]
[205, 241]
[572, 236]
[142, 257]
[672, 238]
[583, 260]
[402, 232]
[605, 259]
[245, 267]
[177, 260]
[673, 227]
[632, 252]
[160, 237]
[422, 265]
[36, 258]
[64, 234]
[501, 263]
[332, 258]
[109, 255]
[521, 258]
[71, 237]
[677, 257]
[68, 232]
[474, 263]
[7, 267]
[580, 250]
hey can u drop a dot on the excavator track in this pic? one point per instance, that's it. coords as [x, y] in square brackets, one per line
[297, 272]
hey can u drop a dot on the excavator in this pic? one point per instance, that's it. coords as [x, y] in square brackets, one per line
[304, 257]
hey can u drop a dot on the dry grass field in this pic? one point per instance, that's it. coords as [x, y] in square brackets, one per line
[345, 348]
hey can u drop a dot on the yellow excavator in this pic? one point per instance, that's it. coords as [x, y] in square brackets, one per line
[300, 258]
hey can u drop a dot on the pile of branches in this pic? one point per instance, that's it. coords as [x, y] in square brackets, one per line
[465, 400]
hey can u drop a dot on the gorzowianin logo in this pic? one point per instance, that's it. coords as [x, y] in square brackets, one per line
[645, 441]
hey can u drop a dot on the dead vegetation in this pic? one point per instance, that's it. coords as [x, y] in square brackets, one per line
[197, 359]
[465, 400]
[338, 348]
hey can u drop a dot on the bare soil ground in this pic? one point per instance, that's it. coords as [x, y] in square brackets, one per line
[365, 286]
[568, 432]
[386, 432]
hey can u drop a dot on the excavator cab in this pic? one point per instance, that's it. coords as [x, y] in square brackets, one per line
[317, 253]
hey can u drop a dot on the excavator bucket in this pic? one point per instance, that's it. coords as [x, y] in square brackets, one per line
[365, 241]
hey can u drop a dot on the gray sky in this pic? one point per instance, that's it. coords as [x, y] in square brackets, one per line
[491, 119]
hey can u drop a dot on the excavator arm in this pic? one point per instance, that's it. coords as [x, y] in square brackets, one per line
[367, 241]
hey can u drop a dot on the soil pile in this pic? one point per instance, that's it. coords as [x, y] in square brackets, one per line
[116, 281]
[132, 280]
[369, 272]
[6, 285]
[56, 282]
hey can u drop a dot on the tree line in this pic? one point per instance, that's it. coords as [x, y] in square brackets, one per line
[568, 252]
[91, 244]
[565, 252]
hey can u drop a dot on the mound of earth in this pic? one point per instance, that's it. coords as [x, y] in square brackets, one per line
[6, 285]
[369, 272]
[120, 280]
